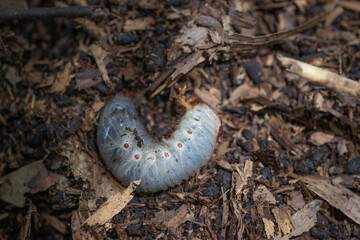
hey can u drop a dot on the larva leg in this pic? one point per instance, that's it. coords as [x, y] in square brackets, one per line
[187, 103]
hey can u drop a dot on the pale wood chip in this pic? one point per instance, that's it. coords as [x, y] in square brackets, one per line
[282, 219]
[318, 75]
[112, 206]
[62, 79]
[243, 176]
[269, 227]
[139, 24]
[320, 138]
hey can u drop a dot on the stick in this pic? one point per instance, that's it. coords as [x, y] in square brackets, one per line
[321, 76]
[68, 12]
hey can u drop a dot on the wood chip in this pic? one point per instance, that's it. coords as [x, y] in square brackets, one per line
[303, 220]
[26, 226]
[350, 5]
[139, 24]
[262, 193]
[321, 76]
[283, 219]
[99, 54]
[297, 200]
[112, 206]
[279, 131]
[211, 97]
[243, 176]
[336, 195]
[320, 138]
[54, 222]
[269, 227]
[62, 79]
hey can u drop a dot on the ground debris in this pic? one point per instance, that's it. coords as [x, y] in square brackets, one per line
[31, 178]
[58, 73]
[336, 195]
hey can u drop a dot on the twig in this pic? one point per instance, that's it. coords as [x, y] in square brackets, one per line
[321, 76]
[69, 12]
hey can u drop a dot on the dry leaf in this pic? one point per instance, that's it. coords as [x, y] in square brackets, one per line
[337, 196]
[31, 178]
[262, 193]
[242, 93]
[170, 219]
[297, 200]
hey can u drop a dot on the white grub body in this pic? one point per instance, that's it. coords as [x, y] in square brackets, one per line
[131, 154]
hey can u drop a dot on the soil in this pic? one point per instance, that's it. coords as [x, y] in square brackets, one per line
[281, 132]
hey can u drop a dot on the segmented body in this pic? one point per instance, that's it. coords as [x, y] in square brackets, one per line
[131, 154]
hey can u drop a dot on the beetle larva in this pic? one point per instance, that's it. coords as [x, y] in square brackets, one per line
[131, 154]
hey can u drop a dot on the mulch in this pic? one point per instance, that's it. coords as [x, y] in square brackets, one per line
[286, 166]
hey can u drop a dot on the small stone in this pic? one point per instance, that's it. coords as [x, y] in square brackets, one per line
[255, 72]
[335, 170]
[352, 166]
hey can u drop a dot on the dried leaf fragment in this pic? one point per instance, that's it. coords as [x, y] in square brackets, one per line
[31, 178]
[337, 196]
[303, 220]
[170, 219]
[243, 92]
[262, 193]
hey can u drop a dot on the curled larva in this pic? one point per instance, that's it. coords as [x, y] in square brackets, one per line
[131, 154]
